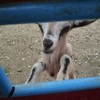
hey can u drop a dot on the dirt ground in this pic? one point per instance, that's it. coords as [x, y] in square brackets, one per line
[20, 48]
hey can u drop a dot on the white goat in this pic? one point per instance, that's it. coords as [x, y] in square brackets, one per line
[57, 52]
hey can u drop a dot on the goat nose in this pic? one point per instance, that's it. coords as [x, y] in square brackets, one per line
[47, 43]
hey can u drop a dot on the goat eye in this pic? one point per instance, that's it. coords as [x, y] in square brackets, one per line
[66, 29]
[41, 28]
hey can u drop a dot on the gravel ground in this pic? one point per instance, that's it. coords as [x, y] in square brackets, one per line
[20, 48]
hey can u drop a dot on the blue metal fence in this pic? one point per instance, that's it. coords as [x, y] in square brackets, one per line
[49, 11]
[57, 87]
[5, 85]
[46, 87]
[30, 12]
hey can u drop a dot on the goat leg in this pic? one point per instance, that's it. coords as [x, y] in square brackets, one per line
[36, 70]
[65, 64]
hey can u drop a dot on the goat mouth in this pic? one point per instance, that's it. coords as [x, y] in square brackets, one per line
[48, 52]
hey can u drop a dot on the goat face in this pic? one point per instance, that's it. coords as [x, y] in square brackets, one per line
[52, 32]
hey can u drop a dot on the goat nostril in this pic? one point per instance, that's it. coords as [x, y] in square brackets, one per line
[47, 43]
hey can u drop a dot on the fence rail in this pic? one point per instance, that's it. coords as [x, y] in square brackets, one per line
[24, 11]
[29, 12]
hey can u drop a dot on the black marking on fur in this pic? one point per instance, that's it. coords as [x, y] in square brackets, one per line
[64, 31]
[71, 56]
[52, 74]
[41, 28]
[33, 71]
[42, 63]
[67, 61]
[50, 33]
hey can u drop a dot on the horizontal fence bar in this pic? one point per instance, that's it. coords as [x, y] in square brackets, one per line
[5, 85]
[57, 87]
[14, 1]
[49, 11]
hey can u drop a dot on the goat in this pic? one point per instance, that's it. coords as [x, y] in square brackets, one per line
[56, 51]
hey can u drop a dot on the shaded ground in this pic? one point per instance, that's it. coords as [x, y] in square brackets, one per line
[20, 48]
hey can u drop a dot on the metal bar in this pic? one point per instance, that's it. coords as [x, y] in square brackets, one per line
[49, 11]
[13, 1]
[5, 85]
[57, 87]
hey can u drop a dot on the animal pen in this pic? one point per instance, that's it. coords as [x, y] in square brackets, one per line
[32, 11]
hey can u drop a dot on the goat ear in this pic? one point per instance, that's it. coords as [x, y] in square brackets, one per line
[81, 23]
